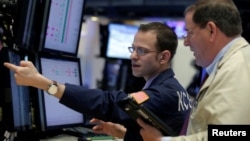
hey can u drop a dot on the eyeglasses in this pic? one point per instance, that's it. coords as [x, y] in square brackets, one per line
[189, 33]
[139, 51]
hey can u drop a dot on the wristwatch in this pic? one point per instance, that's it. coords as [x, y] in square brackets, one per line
[53, 88]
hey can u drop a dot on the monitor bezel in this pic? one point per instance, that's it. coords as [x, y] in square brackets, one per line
[41, 120]
[16, 109]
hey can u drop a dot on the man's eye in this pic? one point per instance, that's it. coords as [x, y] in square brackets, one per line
[141, 50]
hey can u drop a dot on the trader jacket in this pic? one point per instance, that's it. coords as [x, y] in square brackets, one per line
[224, 97]
[168, 100]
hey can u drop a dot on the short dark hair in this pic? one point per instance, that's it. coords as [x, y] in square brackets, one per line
[166, 38]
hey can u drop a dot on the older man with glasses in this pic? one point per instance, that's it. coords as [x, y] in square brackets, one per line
[222, 104]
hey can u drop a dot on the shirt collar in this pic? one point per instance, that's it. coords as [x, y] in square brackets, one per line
[219, 56]
[149, 81]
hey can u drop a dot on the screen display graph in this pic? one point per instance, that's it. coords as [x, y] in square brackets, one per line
[64, 25]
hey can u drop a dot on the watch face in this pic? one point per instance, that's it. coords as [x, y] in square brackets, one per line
[53, 89]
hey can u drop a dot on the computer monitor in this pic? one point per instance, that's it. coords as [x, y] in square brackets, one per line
[16, 106]
[51, 114]
[62, 27]
[178, 26]
[121, 36]
[26, 16]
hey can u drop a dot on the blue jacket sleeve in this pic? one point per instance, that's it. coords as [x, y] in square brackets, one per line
[94, 102]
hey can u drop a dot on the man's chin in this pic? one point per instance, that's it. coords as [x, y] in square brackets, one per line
[135, 73]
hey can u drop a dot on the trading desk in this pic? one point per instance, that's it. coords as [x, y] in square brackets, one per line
[87, 133]
[61, 138]
[72, 138]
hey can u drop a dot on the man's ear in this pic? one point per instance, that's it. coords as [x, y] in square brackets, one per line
[212, 30]
[165, 56]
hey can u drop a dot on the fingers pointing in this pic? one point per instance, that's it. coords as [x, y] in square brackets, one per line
[11, 66]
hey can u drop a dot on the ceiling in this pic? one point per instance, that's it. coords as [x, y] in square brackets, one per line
[136, 8]
[145, 8]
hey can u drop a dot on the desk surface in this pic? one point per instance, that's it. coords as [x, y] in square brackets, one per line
[72, 138]
[61, 138]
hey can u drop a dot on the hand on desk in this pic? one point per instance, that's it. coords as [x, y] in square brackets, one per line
[109, 128]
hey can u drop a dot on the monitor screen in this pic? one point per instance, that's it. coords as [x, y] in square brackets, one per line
[54, 115]
[178, 26]
[62, 30]
[120, 37]
[16, 112]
